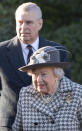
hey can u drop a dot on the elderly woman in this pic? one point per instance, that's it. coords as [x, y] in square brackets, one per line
[53, 102]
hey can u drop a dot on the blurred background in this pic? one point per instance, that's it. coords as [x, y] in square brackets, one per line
[62, 24]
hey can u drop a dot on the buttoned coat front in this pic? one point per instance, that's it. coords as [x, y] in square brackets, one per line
[64, 113]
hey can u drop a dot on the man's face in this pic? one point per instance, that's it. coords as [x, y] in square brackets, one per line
[27, 26]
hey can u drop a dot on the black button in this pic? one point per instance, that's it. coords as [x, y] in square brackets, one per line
[52, 122]
[35, 123]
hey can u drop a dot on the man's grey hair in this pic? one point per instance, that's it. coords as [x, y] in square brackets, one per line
[29, 7]
[59, 72]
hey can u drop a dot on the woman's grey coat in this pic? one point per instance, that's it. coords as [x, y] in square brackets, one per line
[64, 113]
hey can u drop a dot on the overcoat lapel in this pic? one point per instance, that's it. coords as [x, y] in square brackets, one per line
[48, 109]
[15, 56]
[58, 101]
[38, 104]
[42, 42]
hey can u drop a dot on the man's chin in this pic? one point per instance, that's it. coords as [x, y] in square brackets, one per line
[25, 41]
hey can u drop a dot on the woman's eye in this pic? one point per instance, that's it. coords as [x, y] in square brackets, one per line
[43, 74]
[35, 74]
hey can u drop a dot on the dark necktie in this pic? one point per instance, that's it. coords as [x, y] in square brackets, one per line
[30, 52]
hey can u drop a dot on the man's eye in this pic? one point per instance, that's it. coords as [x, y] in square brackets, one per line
[20, 22]
[29, 22]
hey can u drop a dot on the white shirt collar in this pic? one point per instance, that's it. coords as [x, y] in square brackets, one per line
[34, 45]
[25, 50]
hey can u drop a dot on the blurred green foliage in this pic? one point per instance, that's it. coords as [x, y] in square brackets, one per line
[62, 23]
[71, 37]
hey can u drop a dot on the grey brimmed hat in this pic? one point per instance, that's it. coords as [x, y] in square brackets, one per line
[47, 56]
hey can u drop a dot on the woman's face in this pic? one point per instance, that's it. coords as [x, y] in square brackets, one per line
[44, 80]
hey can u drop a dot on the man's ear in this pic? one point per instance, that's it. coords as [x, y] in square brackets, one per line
[40, 24]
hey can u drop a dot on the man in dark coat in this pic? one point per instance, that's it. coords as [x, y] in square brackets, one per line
[14, 54]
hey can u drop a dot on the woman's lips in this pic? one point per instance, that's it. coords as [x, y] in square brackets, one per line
[41, 86]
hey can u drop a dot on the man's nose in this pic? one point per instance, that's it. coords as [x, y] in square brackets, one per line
[24, 25]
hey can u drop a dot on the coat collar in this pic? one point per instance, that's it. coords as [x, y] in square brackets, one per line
[42, 42]
[15, 56]
[66, 85]
[56, 104]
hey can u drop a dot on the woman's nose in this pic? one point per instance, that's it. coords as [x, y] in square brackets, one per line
[39, 78]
